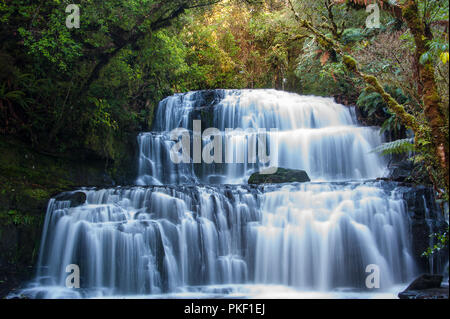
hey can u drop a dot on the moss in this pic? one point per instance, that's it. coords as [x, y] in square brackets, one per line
[398, 109]
[151, 108]
[37, 194]
[324, 43]
[19, 240]
[350, 63]
[410, 14]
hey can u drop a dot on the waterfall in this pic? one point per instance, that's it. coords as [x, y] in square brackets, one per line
[200, 229]
[314, 134]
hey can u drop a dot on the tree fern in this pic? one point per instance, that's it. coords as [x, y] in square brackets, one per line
[396, 147]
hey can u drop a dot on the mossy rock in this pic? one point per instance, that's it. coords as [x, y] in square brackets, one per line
[31, 200]
[282, 175]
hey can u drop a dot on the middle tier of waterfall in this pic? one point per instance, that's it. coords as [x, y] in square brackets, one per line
[303, 132]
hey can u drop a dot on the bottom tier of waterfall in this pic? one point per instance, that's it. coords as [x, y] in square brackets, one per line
[182, 240]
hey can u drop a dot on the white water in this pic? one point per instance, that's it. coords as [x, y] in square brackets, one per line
[300, 240]
[314, 134]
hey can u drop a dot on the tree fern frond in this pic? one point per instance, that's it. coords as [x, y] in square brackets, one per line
[396, 147]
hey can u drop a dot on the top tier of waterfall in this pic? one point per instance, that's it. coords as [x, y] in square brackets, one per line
[276, 109]
[254, 109]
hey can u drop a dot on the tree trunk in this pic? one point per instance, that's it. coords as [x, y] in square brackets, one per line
[433, 106]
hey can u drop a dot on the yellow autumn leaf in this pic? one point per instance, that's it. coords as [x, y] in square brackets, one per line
[444, 57]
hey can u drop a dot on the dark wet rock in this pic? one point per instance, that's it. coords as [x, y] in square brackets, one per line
[203, 106]
[426, 281]
[426, 219]
[75, 198]
[425, 287]
[207, 98]
[400, 171]
[282, 175]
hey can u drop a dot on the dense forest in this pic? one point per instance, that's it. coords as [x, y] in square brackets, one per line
[83, 92]
[87, 87]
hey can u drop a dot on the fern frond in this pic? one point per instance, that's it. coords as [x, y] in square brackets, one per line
[396, 147]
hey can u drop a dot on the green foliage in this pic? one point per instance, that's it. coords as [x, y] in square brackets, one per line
[319, 58]
[396, 147]
[437, 49]
[319, 78]
[441, 243]
[63, 89]
[371, 101]
[432, 10]
[54, 44]
[374, 105]
[353, 35]
[13, 217]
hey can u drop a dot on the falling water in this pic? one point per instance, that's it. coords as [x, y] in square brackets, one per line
[314, 134]
[198, 229]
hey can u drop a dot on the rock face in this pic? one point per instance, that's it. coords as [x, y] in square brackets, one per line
[425, 287]
[75, 198]
[282, 175]
[400, 171]
[426, 219]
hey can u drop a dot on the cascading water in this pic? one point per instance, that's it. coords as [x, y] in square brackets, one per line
[314, 134]
[198, 236]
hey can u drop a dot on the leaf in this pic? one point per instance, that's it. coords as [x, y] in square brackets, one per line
[424, 58]
[395, 147]
[444, 57]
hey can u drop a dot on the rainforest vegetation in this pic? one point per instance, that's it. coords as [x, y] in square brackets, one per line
[90, 89]
[86, 88]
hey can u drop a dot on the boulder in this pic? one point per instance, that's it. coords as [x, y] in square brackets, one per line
[425, 287]
[282, 175]
[426, 281]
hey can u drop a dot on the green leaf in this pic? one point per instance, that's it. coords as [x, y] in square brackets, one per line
[424, 58]
[396, 147]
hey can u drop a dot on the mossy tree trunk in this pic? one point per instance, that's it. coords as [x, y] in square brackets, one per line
[433, 106]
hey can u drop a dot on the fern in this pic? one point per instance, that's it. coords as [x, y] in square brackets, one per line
[372, 102]
[396, 147]
[352, 35]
